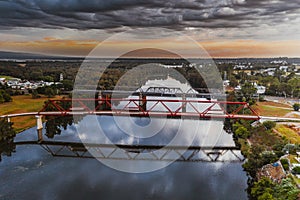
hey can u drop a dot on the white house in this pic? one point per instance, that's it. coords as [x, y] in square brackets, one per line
[283, 68]
[260, 89]
[269, 71]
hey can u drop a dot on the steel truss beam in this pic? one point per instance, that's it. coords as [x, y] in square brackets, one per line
[172, 108]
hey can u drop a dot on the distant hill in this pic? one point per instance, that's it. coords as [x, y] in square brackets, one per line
[24, 56]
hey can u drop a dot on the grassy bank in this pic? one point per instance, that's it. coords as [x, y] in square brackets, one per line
[272, 109]
[23, 103]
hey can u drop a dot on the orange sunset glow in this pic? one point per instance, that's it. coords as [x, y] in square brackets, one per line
[218, 49]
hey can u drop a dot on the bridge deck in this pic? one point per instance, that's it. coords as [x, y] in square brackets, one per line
[136, 114]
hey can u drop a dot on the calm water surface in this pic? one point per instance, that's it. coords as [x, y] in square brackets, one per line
[31, 173]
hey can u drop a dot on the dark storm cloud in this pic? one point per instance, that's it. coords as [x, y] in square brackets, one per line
[174, 14]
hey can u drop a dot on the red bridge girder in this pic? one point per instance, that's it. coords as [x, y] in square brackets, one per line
[142, 107]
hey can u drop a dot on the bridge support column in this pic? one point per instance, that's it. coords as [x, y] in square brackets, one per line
[183, 103]
[39, 127]
[142, 102]
[8, 119]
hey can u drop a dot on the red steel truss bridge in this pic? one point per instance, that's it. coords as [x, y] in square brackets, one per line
[142, 106]
[155, 107]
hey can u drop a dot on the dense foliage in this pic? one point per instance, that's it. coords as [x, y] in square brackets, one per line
[265, 189]
[7, 134]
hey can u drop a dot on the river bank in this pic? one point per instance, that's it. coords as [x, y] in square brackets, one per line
[20, 104]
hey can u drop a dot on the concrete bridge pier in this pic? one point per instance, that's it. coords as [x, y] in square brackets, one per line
[39, 127]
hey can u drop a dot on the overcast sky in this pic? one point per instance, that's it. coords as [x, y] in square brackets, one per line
[225, 28]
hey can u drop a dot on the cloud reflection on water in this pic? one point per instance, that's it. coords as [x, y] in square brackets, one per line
[67, 178]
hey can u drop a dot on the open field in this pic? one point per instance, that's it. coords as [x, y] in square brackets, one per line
[276, 104]
[23, 103]
[272, 109]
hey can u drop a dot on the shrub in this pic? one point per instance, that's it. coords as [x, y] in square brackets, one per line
[4, 96]
[35, 94]
[261, 98]
[269, 124]
[49, 92]
[296, 106]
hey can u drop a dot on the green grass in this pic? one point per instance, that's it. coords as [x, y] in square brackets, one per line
[289, 133]
[270, 110]
[23, 103]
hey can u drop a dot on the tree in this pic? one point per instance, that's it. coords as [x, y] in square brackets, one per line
[248, 90]
[294, 84]
[67, 85]
[49, 92]
[242, 132]
[35, 94]
[1, 98]
[263, 189]
[285, 89]
[4, 96]
[7, 133]
[269, 80]
[266, 196]
[268, 157]
[286, 190]
[6, 130]
[233, 81]
[274, 88]
[48, 78]
[254, 162]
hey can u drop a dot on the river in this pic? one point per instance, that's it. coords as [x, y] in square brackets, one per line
[32, 173]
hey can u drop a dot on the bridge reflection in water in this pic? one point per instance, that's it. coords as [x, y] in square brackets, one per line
[136, 152]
